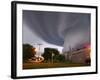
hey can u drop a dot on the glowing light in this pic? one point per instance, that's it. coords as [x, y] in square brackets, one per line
[88, 50]
[87, 46]
[37, 59]
[36, 49]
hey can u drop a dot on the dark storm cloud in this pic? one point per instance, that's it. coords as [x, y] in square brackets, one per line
[59, 28]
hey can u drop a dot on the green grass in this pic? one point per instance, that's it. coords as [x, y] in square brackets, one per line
[51, 65]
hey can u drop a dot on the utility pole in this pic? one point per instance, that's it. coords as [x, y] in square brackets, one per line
[70, 52]
[39, 50]
[52, 57]
[35, 45]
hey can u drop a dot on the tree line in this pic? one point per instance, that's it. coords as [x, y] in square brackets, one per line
[50, 54]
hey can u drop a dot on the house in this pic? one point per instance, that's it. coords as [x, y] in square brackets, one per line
[78, 56]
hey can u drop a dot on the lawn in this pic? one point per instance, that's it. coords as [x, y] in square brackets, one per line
[51, 65]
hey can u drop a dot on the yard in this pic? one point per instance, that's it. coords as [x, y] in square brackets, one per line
[51, 65]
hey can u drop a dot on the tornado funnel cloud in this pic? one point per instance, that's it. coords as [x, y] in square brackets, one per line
[58, 28]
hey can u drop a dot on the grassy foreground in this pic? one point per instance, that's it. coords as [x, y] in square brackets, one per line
[50, 65]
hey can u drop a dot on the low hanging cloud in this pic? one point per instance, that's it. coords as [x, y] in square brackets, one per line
[59, 28]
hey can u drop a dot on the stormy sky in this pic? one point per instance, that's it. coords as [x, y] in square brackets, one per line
[56, 29]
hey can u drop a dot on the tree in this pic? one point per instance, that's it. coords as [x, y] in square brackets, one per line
[28, 52]
[48, 52]
[59, 58]
[88, 61]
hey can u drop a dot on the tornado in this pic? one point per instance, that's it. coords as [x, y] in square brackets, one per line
[65, 29]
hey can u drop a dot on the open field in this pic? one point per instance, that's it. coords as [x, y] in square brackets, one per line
[51, 65]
